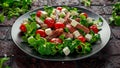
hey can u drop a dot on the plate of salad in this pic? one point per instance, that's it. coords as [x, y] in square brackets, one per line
[60, 33]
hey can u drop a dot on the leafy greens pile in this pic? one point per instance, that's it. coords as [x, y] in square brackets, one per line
[115, 19]
[11, 8]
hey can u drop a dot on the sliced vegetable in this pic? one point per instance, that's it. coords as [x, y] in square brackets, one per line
[82, 39]
[39, 12]
[41, 32]
[59, 25]
[94, 28]
[59, 8]
[85, 14]
[56, 40]
[23, 28]
[50, 22]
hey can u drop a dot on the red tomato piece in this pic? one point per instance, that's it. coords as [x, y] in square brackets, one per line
[85, 14]
[23, 27]
[50, 22]
[94, 28]
[59, 25]
[59, 8]
[82, 38]
[41, 32]
[56, 40]
[39, 12]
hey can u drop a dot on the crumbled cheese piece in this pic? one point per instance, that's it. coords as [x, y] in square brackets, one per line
[90, 20]
[61, 20]
[76, 33]
[66, 51]
[48, 31]
[74, 23]
[88, 37]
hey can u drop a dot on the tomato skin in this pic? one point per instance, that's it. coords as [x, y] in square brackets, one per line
[94, 28]
[59, 25]
[56, 40]
[59, 8]
[41, 32]
[82, 38]
[85, 14]
[23, 27]
[50, 22]
[39, 12]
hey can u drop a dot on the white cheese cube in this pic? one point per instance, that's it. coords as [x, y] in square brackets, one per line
[61, 20]
[88, 37]
[74, 23]
[66, 51]
[76, 33]
[74, 13]
[48, 31]
[90, 20]
[64, 10]
[38, 26]
[38, 20]
[44, 14]
[53, 16]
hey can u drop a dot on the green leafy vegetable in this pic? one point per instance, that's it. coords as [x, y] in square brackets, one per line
[115, 19]
[2, 18]
[48, 9]
[2, 60]
[86, 2]
[11, 8]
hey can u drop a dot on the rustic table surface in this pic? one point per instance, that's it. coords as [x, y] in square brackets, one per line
[108, 57]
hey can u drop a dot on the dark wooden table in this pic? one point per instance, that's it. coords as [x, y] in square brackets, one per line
[108, 57]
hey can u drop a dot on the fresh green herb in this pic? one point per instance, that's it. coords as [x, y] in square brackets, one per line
[115, 19]
[2, 60]
[2, 18]
[86, 2]
[11, 8]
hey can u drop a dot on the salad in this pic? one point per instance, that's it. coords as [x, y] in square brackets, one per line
[60, 31]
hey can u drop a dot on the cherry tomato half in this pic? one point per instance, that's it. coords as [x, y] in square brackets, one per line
[23, 27]
[59, 25]
[56, 40]
[94, 28]
[50, 22]
[39, 12]
[82, 38]
[59, 8]
[85, 14]
[41, 32]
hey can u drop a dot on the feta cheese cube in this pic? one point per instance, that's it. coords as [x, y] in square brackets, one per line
[90, 20]
[76, 33]
[74, 23]
[74, 13]
[88, 37]
[44, 14]
[38, 20]
[53, 16]
[66, 51]
[48, 31]
[61, 20]
[38, 26]
[64, 10]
